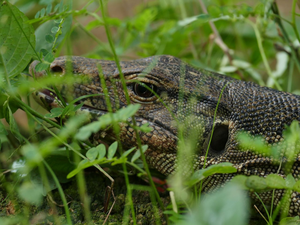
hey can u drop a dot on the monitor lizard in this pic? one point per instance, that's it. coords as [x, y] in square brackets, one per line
[187, 95]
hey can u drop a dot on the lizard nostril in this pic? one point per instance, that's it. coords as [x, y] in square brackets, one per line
[56, 69]
[219, 138]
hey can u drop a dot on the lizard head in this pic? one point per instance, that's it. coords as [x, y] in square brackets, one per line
[178, 101]
[174, 98]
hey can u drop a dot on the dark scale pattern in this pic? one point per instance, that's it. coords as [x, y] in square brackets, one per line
[187, 96]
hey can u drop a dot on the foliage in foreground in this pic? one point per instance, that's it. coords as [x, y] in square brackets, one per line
[155, 29]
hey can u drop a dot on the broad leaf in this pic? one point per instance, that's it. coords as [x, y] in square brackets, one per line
[31, 193]
[17, 40]
[55, 112]
[275, 181]
[256, 183]
[290, 181]
[228, 205]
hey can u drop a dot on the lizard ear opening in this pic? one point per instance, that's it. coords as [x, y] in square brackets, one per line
[219, 138]
[56, 69]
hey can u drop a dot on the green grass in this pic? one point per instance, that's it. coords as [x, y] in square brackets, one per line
[250, 42]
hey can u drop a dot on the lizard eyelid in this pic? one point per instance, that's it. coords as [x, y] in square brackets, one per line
[143, 92]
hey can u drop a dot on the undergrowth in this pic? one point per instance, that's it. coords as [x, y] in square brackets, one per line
[251, 42]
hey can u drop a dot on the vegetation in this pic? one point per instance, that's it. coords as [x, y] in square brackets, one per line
[252, 42]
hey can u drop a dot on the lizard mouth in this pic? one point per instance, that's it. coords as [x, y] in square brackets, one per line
[50, 100]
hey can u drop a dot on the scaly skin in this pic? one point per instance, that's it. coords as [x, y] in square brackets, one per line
[188, 96]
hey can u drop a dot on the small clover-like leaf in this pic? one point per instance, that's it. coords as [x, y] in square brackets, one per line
[137, 154]
[145, 128]
[49, 38]
[48, 9]
[97, 152]
[275, 181]
[54, 30]
[256, 183]
[126, 153]
[112, 150]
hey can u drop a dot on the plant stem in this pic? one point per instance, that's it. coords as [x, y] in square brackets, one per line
[262, 53]
[294, 19]
[61, 192]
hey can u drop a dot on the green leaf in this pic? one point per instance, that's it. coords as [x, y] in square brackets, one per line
[199, 175]
[144, 18]
[31, 153]
[256, 183]
[48, 9]
[17, 40]
[37, 15]
[203, 18]
[137, 154]
[31, 193]
[76, 107]
[145, 128]
[41, 66]
[126, 153]
[97, 152]
[120, 116]
[54, 29]
[296, 186]
[57, 6]
[43, 11]
[290, 221]
[256, 144]
[214, 11]
[112, 150]
[49, 38]
[2, 129]
[275, 181]
[123, 114]
[241, 180]
[45, 29]
[290, 181]
[228, 205]
[61, 166]
[86, 131]
[55, 112]
[12, 123]
[119, 161]
[49, 57]
[83, 165]
[93, 24]
[8, 105]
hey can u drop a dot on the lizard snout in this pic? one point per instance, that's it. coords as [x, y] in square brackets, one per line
[56, 67]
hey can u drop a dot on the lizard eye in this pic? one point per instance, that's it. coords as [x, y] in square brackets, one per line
[141, 90]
